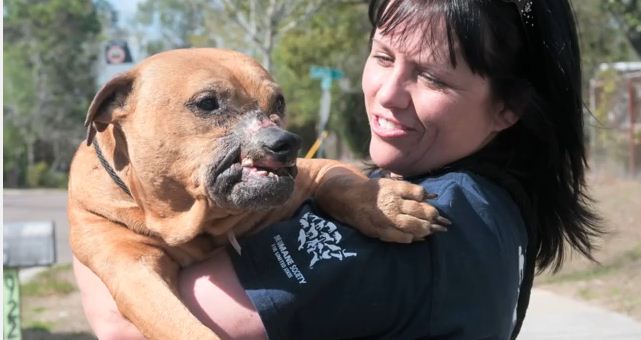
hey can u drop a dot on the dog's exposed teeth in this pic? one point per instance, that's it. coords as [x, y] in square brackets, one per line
[247, 162]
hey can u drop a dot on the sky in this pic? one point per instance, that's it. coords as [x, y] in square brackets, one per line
[126, 7]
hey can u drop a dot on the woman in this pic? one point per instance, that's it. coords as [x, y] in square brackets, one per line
[479, 102]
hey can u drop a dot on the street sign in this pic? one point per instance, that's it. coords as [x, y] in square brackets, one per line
[117, 52]
[326, 74]
[28, 244]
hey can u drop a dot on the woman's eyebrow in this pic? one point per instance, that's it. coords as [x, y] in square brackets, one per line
[380, 44]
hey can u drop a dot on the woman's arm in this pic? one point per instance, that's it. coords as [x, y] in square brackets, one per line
[210, 289]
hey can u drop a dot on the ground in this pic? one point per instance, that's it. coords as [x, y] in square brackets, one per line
[55, 312]
[614, 283]
[51, 307]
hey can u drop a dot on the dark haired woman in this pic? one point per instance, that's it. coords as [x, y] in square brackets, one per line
[480, 102]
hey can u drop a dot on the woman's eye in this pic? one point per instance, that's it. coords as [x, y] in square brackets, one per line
[208, 104]
[432, 81]
[383, 60]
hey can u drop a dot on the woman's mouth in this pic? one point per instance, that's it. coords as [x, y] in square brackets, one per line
[388, 128]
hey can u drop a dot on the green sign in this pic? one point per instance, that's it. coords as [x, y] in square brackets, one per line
[11, 322]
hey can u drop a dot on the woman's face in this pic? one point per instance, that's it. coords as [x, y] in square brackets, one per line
[423, 112]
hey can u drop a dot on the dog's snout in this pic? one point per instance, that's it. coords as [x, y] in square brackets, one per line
[283, 145]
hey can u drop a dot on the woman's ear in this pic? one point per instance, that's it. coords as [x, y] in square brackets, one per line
[504, 119]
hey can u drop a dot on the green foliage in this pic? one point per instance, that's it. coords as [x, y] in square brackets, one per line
[37, 325]
[182, 23]
[14, 157]
[49, 55]
[41, 175]
[628, 15]
[337, 37]
[601, 40]
[352, 124]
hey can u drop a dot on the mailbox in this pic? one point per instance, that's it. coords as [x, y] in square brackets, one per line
[29, 244]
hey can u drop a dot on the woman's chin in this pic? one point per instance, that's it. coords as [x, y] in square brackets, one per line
[387, 157]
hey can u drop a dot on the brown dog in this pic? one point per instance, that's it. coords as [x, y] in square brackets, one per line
[188, 148]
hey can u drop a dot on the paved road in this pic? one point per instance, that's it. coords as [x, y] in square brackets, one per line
[554, 317]
[550, 317]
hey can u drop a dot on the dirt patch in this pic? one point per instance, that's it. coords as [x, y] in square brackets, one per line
[614, 283]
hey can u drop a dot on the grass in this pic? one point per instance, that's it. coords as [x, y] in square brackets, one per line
[39, 326]
[52, 281]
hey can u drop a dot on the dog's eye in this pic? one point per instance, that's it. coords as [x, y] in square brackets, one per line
[279, 104]
[208, 104]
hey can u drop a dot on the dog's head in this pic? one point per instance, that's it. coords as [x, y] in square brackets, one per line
[198, 124]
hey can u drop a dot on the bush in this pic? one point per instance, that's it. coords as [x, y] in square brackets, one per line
[42, 176]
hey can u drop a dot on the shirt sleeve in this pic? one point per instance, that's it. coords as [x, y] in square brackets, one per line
[313, 278]
[477, 266]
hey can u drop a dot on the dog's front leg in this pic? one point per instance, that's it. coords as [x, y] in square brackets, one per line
[391, 210]
[140, 276]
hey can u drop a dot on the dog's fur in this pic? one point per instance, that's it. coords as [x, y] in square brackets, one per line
[185, 131]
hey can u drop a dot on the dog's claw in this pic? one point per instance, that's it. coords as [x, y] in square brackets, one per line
[233, 241]
[437, 227]
[443, 220]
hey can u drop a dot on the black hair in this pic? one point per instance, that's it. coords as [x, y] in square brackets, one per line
[531, 59]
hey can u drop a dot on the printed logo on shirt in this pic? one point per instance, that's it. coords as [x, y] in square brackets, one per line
[320, 238]
[286, 261]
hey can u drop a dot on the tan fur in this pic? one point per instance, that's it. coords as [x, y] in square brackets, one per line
[136, 246]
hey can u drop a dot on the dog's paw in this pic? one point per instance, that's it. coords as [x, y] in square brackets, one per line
[397, 211]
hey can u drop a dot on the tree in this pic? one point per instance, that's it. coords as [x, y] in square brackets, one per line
[264, 22]
[601, 40]
[251, 26]
[628, 15]
[337, 37]
[49, 54]
[180, 24]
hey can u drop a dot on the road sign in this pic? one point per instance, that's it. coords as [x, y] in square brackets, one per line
[326, 74]
[117, 52]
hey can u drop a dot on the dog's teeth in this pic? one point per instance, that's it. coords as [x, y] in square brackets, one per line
[261, 172]
[271, 174]
[247, 162]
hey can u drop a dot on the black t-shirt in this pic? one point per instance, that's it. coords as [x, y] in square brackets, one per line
[312, 278]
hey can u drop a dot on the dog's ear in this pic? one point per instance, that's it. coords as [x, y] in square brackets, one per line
[108, 101]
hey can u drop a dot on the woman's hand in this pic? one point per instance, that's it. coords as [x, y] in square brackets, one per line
[100, 308]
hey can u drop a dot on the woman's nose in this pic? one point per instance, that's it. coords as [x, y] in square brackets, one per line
[393, 92]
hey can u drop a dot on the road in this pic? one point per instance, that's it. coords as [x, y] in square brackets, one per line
[554, 317]
[550, 316]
